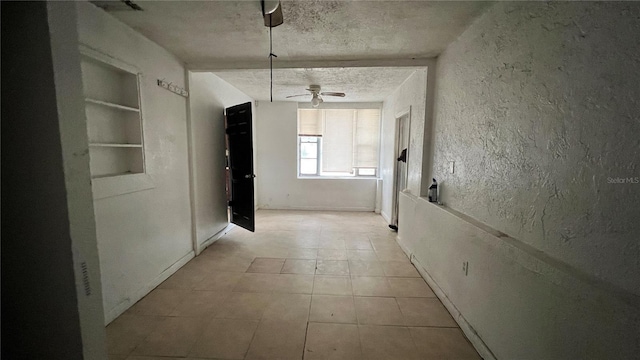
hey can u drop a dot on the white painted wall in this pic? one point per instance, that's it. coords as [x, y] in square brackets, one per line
[209, 96]
[411, 94]
[521, 303]
[538, 106]
[277, 181]
[49, 249]
[146, 235]
[65, 53]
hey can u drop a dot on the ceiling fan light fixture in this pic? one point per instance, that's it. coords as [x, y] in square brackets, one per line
[316, 95]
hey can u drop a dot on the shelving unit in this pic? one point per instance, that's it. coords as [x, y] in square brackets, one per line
[114, 118]
[116, 145]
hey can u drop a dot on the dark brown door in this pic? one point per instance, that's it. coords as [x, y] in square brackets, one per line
[240, 142]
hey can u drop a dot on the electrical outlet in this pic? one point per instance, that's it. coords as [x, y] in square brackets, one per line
[465, 268]
[452, 166]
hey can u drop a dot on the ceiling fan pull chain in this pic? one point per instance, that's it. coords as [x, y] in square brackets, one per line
[271, 56]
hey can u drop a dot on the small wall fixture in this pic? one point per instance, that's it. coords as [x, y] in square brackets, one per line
[173, 88]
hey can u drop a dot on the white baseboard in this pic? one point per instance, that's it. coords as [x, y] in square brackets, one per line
[386, 217]
[142, 292]
[403, 247]
[205, 244]
[466, 328]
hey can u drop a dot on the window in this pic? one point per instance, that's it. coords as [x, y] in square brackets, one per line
[338, 142]
[309, 151]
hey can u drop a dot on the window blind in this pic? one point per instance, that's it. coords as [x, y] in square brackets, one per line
[309, 122]
[350, 137]
[367, 138]
[337, 141]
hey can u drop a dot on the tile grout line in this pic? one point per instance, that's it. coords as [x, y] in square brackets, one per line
[131, 353]
[270, 295]
[360, 341]
[349, 277]
[306, 331]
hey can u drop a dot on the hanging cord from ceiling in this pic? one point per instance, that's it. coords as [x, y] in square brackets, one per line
[271, 55]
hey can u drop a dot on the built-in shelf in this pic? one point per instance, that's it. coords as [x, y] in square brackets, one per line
[103, 176]
[112, 105]
[116, 145]
[114, 116]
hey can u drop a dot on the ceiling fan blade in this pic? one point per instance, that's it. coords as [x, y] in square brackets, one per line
[333, 94]
[291, 96]
[274, 18]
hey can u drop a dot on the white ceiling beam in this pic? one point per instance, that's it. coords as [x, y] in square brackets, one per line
[309, 64]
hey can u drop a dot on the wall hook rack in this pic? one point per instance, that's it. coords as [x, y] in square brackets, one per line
[173, 88]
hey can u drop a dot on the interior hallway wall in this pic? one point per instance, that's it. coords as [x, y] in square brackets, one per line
[277, 171]
[537, 104]
[50, 269]
[209, 96]
[144, 236]
[411, 94]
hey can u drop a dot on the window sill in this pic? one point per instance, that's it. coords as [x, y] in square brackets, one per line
[337, 177]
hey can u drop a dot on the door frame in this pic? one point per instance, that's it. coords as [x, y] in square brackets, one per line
[395, 200]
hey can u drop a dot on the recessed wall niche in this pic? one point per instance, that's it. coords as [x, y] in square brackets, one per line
[114, 116]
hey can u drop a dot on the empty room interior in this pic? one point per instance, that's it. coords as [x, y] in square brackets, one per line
[320, 180]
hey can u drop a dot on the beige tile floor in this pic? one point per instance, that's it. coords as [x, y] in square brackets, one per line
[305, 285]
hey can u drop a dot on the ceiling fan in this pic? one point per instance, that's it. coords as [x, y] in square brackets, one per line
[316, 95]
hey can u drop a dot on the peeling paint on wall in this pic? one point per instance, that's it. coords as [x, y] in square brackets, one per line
[537, 104]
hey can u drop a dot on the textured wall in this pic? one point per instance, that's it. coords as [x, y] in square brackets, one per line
[537, 103]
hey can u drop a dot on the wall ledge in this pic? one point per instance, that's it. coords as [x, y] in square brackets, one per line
[515, 302]
[534, 260]
[318, 208]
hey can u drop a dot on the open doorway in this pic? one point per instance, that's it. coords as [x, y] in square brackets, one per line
[400, 170]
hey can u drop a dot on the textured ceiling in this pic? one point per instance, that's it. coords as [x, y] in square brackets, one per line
[206, 32]
[361, 84]
[318, 43]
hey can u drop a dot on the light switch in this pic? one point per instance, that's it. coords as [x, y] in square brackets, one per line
[452, 166]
